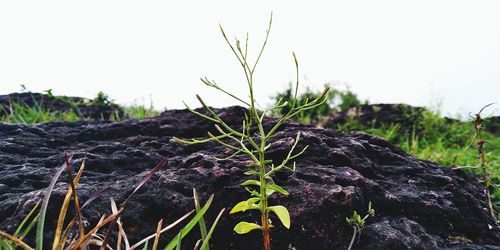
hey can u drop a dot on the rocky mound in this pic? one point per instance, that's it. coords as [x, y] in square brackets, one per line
[85, 108]
[419, 204]
[376, 115]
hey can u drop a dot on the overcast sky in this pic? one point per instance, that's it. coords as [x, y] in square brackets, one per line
[420, 53]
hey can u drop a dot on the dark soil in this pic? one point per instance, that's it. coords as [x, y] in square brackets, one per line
[419, 204]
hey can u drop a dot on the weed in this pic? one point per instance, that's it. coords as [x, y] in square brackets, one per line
[85, 239]
[479, 141]
[101, 99]
[358, 223]
[263, 187]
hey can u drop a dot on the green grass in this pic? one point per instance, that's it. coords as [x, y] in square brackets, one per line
[23, 114]
[435, 139]
[20, 113]
[139, 111]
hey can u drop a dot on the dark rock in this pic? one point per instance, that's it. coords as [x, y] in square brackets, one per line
[418, 203]
[84, 108]
[377, 115]
[399, 233]
[492, 125]
[402, 233]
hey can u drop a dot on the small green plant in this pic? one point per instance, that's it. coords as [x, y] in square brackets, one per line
[261, 185]
[49, 93]
[101, 99]
[358, 223]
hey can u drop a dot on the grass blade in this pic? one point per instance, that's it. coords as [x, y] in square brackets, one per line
[75, 196]
[163, 230]
[157, 237]
[65, 234]
[94, 197]
[203, 227]
[122, 235]
[179, 240]
[64, 207]
[20, 227]
[29, 227]
[124, 203]
[121, 232]
[81, 241]
[16, 241]
[209, 235]
[184, 231]
[45, 203]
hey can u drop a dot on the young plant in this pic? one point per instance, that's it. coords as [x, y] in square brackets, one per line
[479, 142]
[358, 223]
[255, 144]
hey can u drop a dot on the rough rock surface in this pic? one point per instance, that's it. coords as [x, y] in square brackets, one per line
[84, 108]
[419, 204]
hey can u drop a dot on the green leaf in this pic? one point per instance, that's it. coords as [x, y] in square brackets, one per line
[268, 162]
[245, 227]
[282, 214]
[252, 172]
[242, 206]
[253, 164]
[277, 189]
[252, 192]
[251, 182]
[269, 192]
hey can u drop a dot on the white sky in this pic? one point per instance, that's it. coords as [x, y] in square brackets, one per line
[419, 53]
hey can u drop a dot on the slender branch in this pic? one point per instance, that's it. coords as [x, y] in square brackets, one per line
[200, 114]
[229, 157]
[264, 44]
[195, 141]
[355, 231]
[214, 85]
